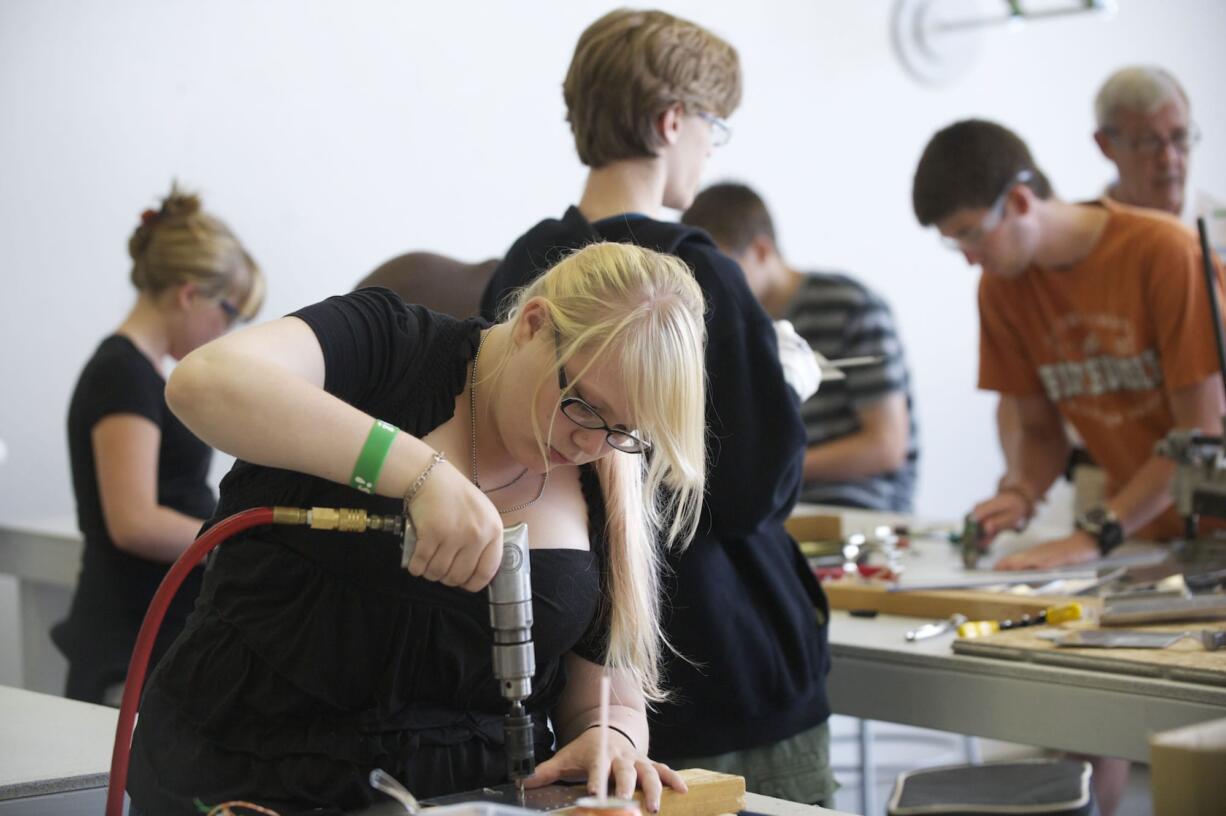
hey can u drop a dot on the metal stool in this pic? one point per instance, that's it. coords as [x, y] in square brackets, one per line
[1036, 787]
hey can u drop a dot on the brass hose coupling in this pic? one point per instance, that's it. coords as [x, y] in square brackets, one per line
[344, 519]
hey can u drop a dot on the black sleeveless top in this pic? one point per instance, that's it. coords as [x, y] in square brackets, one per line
[312, 657]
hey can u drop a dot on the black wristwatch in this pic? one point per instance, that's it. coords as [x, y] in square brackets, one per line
[1102, 524]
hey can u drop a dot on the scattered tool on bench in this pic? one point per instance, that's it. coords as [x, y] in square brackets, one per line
[832, 370]
[1210, 639]
[972, 541]
[1050, 615]
[931, 630]
[1161, 608]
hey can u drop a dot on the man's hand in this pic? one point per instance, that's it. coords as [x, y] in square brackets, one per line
[1007, 510]
[1077, 548]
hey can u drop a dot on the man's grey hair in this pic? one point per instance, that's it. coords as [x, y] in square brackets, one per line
[1141, 89]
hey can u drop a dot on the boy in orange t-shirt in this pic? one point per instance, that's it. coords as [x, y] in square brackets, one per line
[1094, 314]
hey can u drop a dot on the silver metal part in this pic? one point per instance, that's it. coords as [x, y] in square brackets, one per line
[930, 630]
[510, 595]
[409, 542]
[1200, 478]
[1210, 606]
[1213, 639]
[1107, 639]
[514, 658]
[882, 548]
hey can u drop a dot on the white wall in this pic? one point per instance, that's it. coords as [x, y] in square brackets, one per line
[334, 135]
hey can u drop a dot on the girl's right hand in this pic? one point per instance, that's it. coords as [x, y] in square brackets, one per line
[459, 531]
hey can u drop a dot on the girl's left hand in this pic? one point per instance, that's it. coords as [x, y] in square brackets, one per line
[628, 768]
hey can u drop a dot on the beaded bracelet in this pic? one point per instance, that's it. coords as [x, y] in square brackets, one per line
[411, 494]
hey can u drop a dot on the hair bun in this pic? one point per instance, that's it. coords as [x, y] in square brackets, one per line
[179, 203]
[139, 241]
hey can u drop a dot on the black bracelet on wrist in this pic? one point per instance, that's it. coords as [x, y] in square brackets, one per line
[618, 730]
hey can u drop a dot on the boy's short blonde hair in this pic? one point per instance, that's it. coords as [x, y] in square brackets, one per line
[631, 66]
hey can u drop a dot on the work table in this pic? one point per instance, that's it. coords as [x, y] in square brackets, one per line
[55, 754]
[43, 556]
[55, 758]
[879, 675]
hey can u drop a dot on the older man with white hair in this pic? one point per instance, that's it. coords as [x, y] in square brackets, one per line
[1145, 129]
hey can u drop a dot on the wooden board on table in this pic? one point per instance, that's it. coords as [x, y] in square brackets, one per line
[710, 794]
[975, 604]
[816, 527]
[1186, 660]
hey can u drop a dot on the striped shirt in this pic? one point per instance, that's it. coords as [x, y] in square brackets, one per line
[841, 318]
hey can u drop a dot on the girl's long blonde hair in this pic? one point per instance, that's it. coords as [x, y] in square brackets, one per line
[642, 312]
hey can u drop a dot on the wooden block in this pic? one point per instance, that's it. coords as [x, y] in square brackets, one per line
[1186, 770]
[710, 794]
[975, 604]
[815, 527]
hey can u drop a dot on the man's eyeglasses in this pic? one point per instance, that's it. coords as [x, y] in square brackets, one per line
[1151, 144]
[721, 131]
[974, 237]
[585, 416]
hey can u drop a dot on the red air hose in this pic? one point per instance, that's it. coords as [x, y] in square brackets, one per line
[148, 633]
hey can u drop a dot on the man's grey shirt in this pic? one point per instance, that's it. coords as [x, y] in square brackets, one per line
[840, 317]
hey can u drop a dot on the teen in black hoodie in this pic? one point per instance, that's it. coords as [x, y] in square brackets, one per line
[744, 611]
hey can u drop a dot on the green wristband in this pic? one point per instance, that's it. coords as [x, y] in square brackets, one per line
[373, 455]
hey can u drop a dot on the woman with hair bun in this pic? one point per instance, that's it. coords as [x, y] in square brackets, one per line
[138, 474]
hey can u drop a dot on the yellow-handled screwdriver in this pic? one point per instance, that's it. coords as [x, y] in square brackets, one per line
[1052, 614]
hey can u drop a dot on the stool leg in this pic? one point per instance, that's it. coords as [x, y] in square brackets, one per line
[868, 798]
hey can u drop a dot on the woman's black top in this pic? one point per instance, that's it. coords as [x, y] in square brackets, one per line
[115, 587]
[312, 657]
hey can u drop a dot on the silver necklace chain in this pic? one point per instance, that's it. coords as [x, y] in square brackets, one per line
[472, 425]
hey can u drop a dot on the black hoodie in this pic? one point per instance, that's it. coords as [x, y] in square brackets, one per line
[741, 601]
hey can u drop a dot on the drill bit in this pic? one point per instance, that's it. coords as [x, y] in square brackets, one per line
[520, 796]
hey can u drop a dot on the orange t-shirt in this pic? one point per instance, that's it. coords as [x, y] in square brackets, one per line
[1106, 338]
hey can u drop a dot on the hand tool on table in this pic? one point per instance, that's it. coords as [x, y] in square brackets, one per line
[1213, 639]
[832, 370]
[1050, 615]
[931, 630]
[1161, 607]
[1210, 639]
[1107, 639]
[884, 542]
[510, 603]
[987, 577]
[972, 541]
[1204, 582]
[1199, 486]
